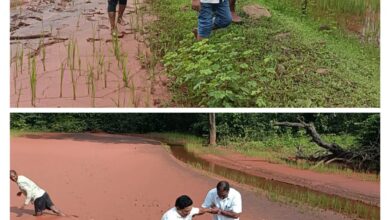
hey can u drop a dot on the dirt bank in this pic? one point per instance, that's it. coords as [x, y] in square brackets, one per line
[334, 184]
[101, 176]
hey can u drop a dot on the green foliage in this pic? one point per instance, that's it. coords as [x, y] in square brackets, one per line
[213, 74]
[273, 62]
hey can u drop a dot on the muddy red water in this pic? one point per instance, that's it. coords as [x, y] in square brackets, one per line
[101, 176]
[98, 77]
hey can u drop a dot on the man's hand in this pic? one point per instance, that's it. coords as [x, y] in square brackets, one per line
[196, 5]
[214, 210]
[19, 193]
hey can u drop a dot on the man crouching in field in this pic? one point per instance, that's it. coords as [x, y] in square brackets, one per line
[34, 194]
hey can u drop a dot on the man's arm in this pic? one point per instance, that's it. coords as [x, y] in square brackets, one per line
[202, 211]
[196, 5]
[26, 188]
[229, 214]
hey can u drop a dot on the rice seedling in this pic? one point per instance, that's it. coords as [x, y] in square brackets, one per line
[132, 94]
[93, 38]
[62, 78]
[79, 66]
[78, 22]
[92, 83]
[16, 63]
[101, 66]
[72, 45]
[15, 80]
[105, 74]
[43, 50]
[33, 81]
[74, 83]
[19, 94]
[21, 60]
[117, 102]
[124, 71]
[116, 48]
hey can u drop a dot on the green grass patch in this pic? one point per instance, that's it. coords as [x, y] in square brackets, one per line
[282, 61]
[20, 133]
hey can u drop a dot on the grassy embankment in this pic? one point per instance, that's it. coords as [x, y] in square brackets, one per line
[282, 61]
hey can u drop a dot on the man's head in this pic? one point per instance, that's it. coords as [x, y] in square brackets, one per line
[223, 189]
[13, 175]
[183, 205]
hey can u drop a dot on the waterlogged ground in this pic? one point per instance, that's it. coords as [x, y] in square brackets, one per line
[72, 57]
[102, 176]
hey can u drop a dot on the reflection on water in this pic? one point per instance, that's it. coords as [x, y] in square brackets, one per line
[277, 188]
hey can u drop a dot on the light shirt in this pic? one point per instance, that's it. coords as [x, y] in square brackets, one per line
[172, 214]
[211, 1]
[29, 189]
[231, 203]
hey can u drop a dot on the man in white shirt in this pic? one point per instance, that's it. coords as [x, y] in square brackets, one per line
[34, 194]
[213, 14]
[225, 202]
[183, 210]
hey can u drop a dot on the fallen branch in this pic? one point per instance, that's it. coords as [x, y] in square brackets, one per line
[29, 37]
[316, 138]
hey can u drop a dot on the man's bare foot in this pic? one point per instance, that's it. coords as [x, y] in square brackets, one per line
[122, 22]
[235, 17]
[61, 214]
[195, 32]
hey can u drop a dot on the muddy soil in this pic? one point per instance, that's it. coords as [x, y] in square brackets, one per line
[107, 177]
[93, 77]
[334, 184]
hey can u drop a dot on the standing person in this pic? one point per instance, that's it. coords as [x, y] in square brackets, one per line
[183, 210]
[34, 194]
[235, 17]
[225, 202]
[111, 9]
[213, 14]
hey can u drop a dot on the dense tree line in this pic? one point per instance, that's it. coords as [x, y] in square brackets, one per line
[251, 126]
[366, 127]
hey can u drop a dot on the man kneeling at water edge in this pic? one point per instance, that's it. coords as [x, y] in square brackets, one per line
[34, 194]
[183, 210]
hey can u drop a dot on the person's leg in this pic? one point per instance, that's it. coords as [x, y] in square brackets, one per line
[122, 7]
[235, 17]
[56, 210]
[50, 205]
[39, 206]
[222, 15]
[37, 214]
[111, 13]
[205, 21]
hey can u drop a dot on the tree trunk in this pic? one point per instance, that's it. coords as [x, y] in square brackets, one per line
[213, 130]
[316, 138]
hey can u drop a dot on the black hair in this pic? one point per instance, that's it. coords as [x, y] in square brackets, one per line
[13, 172]
[223, 186]
[183, 202]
